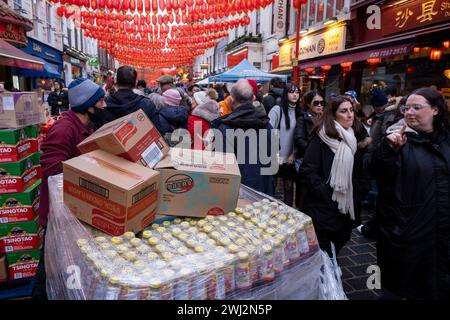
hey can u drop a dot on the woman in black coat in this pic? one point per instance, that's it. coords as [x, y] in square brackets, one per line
[313, 109]
[331, 174]
[58, 100]
[412, 168]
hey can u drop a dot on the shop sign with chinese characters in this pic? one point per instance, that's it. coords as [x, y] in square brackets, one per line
[415, 14]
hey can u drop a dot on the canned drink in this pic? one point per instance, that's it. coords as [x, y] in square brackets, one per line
[243, 276]
[265, 201]
[167, 284]
[166, 224]
[155, 292]
[285, 251]
[113, 289]
[116, 240]
[302, 240]
[177, 221]
[278, 265]
[293, 248]
[152, 256]
[182, 284]
[229, 272]
[267, 268]
[100, 287]
[161, 230]
[199, 282]
[247, 215]
[219, 291]
[130, 256]
[185, 225]
[153, 241]
[101, 240]
[232, 215]
[82, 242]
[239, 210]
[129, 235]
[255, 264]
[311, 234]
[136, 242]
[147, 234]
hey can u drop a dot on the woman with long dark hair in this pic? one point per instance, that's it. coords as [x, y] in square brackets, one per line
[412, 169]
[330, 174]
[284, 117]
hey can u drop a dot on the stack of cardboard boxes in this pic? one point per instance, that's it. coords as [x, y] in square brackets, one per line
[126, 175]
[20, 175]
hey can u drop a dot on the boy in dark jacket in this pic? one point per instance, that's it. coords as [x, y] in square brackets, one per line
[85, 97]
[246, 118]
[124, 101]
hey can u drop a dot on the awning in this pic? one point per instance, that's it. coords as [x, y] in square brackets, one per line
[14, 57]
[282, 70]
[352, 55]
[51, 70]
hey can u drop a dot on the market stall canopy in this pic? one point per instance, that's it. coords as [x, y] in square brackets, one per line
[208, 80]
[14, 57]
[245, 70]
[50, 70]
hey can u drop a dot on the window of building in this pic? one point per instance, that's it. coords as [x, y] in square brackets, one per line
[35, 19]
[75, 31]
[340, 4]
[82, 41]
[258, 22]
[312, 11]
[49, 23]
[246, 30]
[17, 4]
[69, 36]
[330, 8]
[273, 17]
[320, 10]
[236, 33]
[304, 17]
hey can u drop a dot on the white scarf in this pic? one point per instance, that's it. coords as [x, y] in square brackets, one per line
[342, 169]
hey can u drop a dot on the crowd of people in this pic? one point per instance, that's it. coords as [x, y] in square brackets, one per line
[329, 154]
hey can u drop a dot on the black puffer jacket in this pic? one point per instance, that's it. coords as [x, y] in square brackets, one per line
[414, 215]
[272, 98]
[53, 101]
[125, 101]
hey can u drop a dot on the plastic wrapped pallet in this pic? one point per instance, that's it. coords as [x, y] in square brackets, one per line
[262, 250]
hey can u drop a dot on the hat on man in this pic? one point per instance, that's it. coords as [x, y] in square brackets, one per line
[254, 86]
[353, 94]
[205, 96]
[165, 79]
[83, 94]
[378, 99]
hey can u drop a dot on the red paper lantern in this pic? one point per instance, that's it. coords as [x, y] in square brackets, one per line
[326, 67]
[435, 54]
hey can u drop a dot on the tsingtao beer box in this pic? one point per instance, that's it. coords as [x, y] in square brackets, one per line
[20, 207]
[110, 193]
[19, 109]
[197, 183]
[133, 137]
[16, 144]
[20, 175]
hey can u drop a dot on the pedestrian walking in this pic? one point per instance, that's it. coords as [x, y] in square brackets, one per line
[412, 169]
[284, 118]
[58, 99]
[330, 174]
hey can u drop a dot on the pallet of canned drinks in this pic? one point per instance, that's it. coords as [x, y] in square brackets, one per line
[262, 250]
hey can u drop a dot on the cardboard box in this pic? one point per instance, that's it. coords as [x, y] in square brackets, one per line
[18, 109]
[20, 175]
[16, 144]
[20, 207]
[19, 236]
[194, 184]
[23, 264]
[110, 193]
[3, 268]
[133, 137]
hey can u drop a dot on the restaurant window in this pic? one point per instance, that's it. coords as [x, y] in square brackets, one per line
[340, 4]
[17, 5]
[304, 17]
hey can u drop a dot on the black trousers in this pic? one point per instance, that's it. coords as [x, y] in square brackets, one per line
[40, 287]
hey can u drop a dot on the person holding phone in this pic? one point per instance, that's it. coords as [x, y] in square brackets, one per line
[412, 169]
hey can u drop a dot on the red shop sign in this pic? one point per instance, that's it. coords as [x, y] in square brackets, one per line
[414, 15]
[13, 33]
[234, 58]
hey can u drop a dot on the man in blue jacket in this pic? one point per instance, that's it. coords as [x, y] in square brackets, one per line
[247, 133]
[124, 101]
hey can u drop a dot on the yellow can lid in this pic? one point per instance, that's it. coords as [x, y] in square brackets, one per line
[241, 230]
[166, 223]
[210, 218]
[202, 236]
[271, 231]
[240, 220]
[247, 215]
[176, 231]
[105, 273]
[175, 243]
[239, 210]
[121, 248]
[193, 230]
[155, 226]
[139, 263]
[191, 243]
[116, 240]
[219, 265]
[283, 218]
[161, 230]
[177, 220]
[167, 236]
[136, 242]
[254, 221]
[199, 249]
[155, 283]
[243, 255]
[223, 229]
[182, 251]
[281, 237]
[185, 224]
[82, 242]
[231, 224]
[241, 242]
[187, 219]
[193, 223]
[273, 223]
[131, 256]
[153, 241]
[215, 235]
[100, 239]
[267, 236]
[277, 242]
[114, 280]
[146, 234]
[201, 222]
[105, 246]
[143, 248]
[274, 213]
[215, 223]
[225, 241]
[257, 242]
[129, 235]
[207, 229]
[111, 253]
[249, 225]
[223, 218]
[210, 242]
[267, 249]
[231, 214]
[160, 248]
[152, 256]
[167, 256]
[233, 248]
